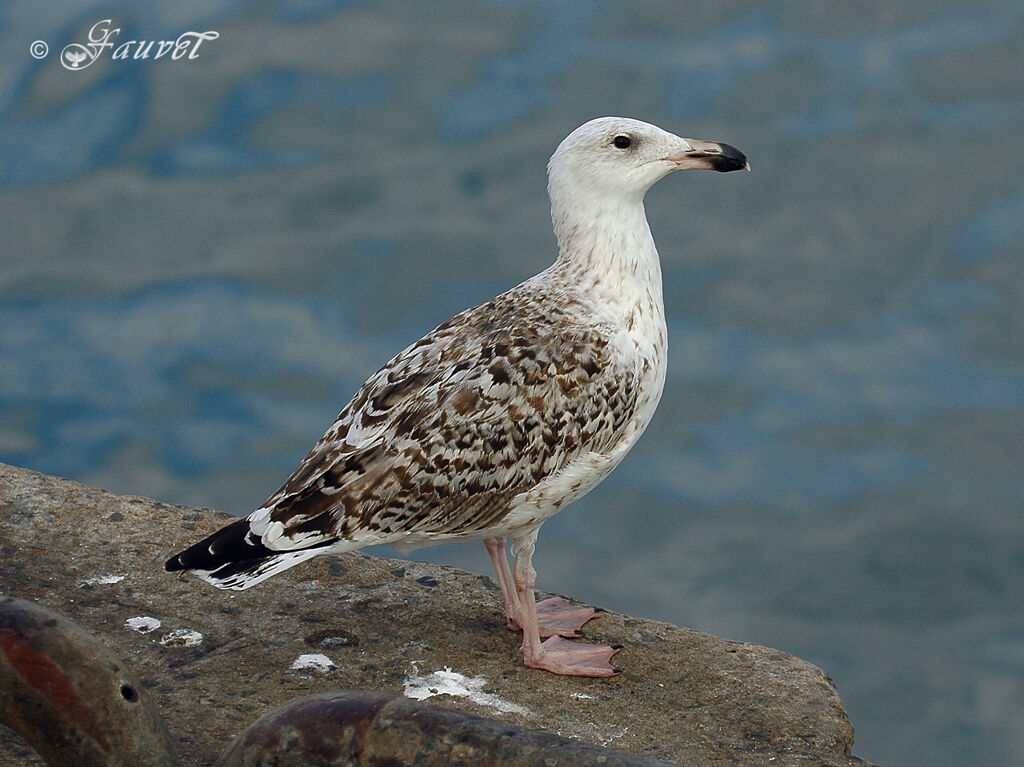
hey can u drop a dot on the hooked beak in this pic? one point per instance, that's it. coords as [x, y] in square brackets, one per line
[711, 155]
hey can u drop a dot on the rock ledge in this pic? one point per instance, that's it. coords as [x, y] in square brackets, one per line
[218, 660]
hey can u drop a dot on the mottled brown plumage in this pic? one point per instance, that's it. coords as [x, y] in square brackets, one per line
[441, 439]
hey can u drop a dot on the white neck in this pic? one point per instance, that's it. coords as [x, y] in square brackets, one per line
[605, 249]
[607, 254]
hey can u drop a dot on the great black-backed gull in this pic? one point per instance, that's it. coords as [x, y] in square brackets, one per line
[503, 415]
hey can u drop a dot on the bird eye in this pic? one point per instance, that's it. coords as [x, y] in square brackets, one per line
[622, 142]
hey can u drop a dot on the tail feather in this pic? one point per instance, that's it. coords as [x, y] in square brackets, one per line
[234, 558]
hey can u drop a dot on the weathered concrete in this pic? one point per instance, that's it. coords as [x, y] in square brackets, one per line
[70, 698]
[687, 697]
[372, 729]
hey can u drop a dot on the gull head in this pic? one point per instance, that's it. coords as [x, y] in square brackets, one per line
[619, 159]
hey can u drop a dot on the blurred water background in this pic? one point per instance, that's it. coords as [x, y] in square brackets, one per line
[200, 261]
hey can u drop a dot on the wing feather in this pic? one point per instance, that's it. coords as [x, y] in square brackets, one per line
[446, 434]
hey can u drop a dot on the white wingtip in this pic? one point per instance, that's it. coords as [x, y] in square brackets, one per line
[258, 572]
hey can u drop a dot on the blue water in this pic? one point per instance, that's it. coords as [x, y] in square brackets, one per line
[200, 261]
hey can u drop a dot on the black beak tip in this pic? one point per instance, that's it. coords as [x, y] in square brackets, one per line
[731, 158]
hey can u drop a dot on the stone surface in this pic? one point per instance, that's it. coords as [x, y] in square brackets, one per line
[386, 625]
[71, 698]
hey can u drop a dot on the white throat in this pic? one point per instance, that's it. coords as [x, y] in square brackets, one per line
[606, 250]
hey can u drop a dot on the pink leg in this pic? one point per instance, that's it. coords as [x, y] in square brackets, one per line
[555, 617]
[496, 549]
[556, 654]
